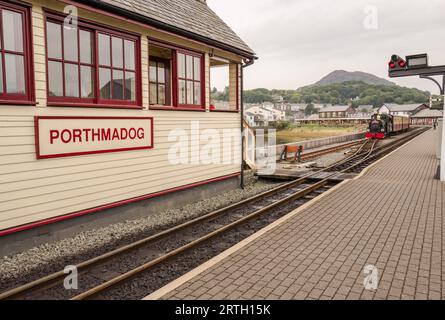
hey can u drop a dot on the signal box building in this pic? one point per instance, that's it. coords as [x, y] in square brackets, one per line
[94, 97]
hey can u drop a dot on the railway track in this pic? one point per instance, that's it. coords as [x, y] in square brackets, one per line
[319, 153]
[166, 245]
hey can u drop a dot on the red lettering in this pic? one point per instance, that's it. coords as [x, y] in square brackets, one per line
[132, 133]
[66, 136]
[116, 134]
[87, 134]
[141, 133]
[106, 134]
[54, 134]
[96, 134]
[77, 135]
[124, 133]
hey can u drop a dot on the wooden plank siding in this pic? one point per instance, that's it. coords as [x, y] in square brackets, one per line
[32, 190]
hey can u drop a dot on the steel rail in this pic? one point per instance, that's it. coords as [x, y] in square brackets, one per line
[130, 274]
[52, 279]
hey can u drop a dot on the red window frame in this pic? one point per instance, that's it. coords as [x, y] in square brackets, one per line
[97, 101]
[186, 78]
[28, 98]
[167, 82]
[174, 82]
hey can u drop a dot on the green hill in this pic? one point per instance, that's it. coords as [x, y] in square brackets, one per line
[341, 76]
[358, 92]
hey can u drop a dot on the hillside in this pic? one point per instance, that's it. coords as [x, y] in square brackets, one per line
[341, 76]
[358, 92]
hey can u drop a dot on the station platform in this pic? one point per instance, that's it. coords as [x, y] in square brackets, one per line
[391, 216]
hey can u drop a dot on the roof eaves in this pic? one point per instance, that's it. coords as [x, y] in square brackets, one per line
[169, 28]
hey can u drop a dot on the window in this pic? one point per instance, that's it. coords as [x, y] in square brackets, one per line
[91, 65]
[189, 80]
[160, 75]
[159, 82]
[175, 77]
[15, 64]
[224, 95]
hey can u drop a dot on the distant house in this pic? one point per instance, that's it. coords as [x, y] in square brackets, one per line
[268, 113]
[255, 120]
[336, 112]
[367, 108]
[426, 117]
[402, 109]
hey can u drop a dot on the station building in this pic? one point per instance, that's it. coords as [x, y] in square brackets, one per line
[90, 93]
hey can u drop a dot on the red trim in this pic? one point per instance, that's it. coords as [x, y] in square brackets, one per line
[170, 108]
[109, 206]
[72, 154]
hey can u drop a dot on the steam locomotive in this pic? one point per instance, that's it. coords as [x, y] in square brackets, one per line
[383, 125]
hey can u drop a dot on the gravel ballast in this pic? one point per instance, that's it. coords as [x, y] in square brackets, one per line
[51, 257]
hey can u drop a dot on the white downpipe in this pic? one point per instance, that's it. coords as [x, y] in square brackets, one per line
[442, 144]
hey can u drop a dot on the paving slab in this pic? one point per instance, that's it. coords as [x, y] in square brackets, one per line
[387, 221]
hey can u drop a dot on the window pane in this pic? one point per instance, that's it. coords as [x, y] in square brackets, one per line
[55, 80]
[129, 55]
[1, 73]
[15, 74]
[130, 86]
[104, 50]
[86, 82]
[153, 71]
[197, 99]
[189, 92]
[161, 73]
[153, 94]
[85, 47]
[118, 85]
[181, 65]
[181, 91]
[105, 83]
[189, 67]
[70, 43]
[71, 80]
[13, 35]
[54, 39]
[118, 59]
[161, 94]
[197, 68]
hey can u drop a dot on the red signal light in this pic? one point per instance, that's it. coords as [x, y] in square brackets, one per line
[402, 64]
[392, 65]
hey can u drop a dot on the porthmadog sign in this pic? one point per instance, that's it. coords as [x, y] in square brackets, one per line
[73, 136]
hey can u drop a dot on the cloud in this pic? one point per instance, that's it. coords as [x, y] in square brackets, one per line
[298, 42]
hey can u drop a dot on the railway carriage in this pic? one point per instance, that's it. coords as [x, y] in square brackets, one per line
[383, 125]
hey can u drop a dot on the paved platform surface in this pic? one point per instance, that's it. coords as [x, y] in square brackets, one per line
[390, 217]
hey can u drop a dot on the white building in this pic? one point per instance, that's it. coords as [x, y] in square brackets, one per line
[401, 109]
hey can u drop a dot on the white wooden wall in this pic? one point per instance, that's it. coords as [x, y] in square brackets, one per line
[32, 190]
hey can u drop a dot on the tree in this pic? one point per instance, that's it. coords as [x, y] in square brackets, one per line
[310, 109]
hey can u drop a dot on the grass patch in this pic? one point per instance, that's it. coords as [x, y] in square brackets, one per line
[312, 131]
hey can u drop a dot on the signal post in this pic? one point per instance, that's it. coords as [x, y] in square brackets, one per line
[417, 65]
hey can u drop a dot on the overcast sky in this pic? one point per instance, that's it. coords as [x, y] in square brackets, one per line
[300, 41]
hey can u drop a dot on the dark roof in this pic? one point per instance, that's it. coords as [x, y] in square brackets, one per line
[192, 17]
